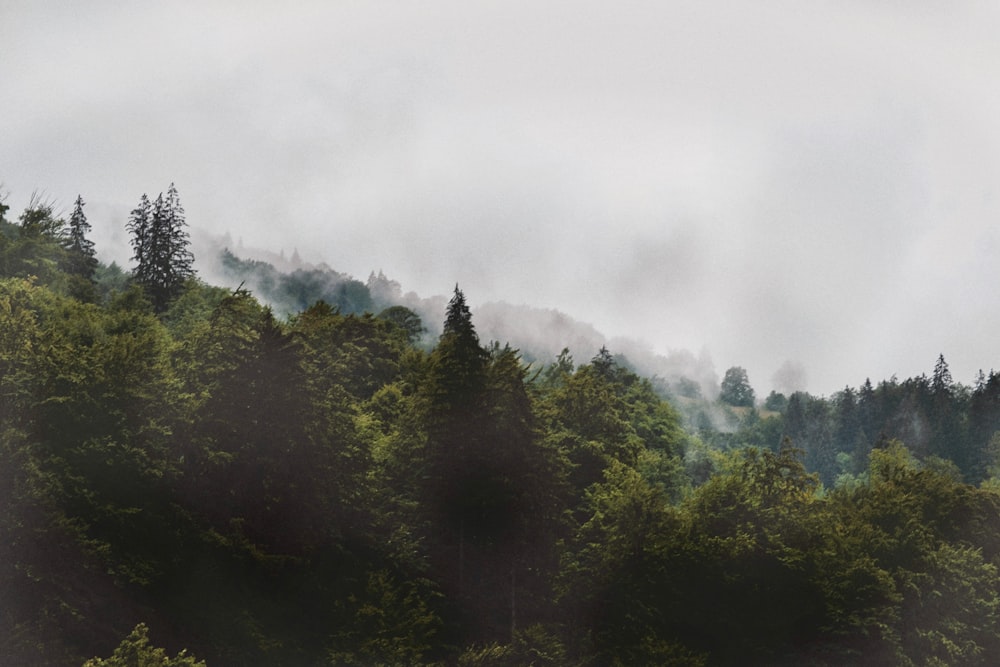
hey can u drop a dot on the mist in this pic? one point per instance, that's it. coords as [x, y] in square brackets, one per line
[807, 192]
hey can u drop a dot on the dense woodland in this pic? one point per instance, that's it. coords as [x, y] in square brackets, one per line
[187, 477]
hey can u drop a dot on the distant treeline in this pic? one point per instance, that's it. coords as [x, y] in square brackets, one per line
[294, 292]
[934, 416]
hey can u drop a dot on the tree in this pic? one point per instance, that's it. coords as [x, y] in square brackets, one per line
[941, 382]
[264, 447]
[556, 373]
[848, 435]
[160, 247]
[405, 319]
[776, 402]
[136, 651]
[741, 575]
[82, 258]
[38, 220]
[458, 375]
[35, 246]
[139, 222]
[614, 584]
[454, 419]
[736, 389]
[983, 422]
[948, 439]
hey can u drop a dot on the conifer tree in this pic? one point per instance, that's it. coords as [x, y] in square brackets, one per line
[160, 247]
[138, 226]
[460, 359]
[82, 257]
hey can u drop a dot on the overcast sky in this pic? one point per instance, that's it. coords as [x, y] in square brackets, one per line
[793, 184]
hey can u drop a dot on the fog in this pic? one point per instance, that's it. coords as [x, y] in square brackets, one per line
[804, 190]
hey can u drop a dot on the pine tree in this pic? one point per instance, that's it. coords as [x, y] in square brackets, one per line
[160, 244]
[82, 257]
[181, 260]
[941, 383]
[138, 225]
[459, 364]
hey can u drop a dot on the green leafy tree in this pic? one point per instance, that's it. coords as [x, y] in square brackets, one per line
[614, 584]
[743, 576]
[776, 402]
[405, 319]
[587, 419]
[136, 651]
[359, 353]
[910, 576]
[736, 389]
[393, 625]
[35, 247]
[82, 448]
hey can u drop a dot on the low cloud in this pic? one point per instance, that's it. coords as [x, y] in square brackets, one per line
[770, 182]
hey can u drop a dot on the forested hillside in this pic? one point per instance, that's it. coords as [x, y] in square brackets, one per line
[185, 473]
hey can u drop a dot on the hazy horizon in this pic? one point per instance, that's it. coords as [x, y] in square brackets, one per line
[797, 190]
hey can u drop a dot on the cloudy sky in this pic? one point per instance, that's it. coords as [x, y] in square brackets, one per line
[785, 184]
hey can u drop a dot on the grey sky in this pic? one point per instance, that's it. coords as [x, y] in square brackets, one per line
[790, 185]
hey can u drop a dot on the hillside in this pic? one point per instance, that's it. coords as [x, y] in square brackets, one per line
[539, 334]
[186, 468]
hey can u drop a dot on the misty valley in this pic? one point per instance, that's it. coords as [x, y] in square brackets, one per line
[303, 468]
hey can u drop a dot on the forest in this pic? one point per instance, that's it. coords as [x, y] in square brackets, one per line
[188, 478]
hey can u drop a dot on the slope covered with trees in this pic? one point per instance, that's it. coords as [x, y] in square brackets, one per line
[187, 478]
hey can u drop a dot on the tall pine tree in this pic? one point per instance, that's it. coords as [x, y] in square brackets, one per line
[160, 247]
[82, 258]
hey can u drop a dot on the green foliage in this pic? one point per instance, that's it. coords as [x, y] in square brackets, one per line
[36, 247]
[319, 490]
[110, 281]
[405, 319]
[294, 292]
[193, 305]
[532, 646]
[776, 402]
[736, 389]
[394, 625]
[136, 651]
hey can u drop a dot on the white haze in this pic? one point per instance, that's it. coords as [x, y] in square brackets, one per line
[808, 190]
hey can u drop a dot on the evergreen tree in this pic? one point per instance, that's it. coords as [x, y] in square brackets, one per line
[138, 226]
[455, 419]
[160, 246]
[458, 373]
[847, 431]
[869, 423]
[941, 382]
[984, 421]
[82, 257]
[948, 439]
